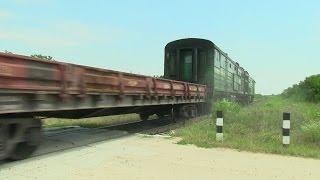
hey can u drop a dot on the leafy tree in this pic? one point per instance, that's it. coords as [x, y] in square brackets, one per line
[43, 57]
[312, 85]
[8, 52]
[309, 89]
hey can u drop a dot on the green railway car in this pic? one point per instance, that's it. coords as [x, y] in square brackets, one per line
[201, 61]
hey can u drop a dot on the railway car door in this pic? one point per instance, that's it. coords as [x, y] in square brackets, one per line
[186, 65]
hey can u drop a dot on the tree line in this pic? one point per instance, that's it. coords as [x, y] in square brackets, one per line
[38, 56]
[308, 90]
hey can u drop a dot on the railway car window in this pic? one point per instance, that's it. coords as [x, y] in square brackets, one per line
[240, 72]
[231, 67]
[217, 59]
[210, 59]
[223, 60]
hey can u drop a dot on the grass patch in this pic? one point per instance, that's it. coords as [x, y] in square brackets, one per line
[258, 127]
[91, 122]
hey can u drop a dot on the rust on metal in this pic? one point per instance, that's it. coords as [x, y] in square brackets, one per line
[29, 74]
[155, 88]
[121, 86]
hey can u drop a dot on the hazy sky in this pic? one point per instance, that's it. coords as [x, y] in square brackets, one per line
[278, 42]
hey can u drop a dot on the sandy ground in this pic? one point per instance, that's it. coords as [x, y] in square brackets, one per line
[156, 157]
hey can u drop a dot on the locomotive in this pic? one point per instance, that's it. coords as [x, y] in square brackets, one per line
[201, 61]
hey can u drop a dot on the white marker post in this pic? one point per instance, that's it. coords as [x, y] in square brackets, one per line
[219, 125]
[286, 129]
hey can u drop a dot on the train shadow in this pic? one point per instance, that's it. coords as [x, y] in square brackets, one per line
[61, 140]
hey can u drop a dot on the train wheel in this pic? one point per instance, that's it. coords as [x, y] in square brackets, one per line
[160, 115]
[3, 140]
[192, 112]
[144, 116]
[188, 111]
[26, 148]
[183, 112]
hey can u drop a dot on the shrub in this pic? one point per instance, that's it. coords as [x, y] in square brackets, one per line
[226, 106]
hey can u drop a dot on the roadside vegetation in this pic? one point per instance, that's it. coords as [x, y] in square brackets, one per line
[258, 127]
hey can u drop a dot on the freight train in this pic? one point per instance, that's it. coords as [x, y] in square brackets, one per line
[196, 72]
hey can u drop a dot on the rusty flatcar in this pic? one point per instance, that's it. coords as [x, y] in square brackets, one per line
[31, 88]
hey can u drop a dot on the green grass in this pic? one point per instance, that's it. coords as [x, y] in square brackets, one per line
[91, 122]
[258, 127]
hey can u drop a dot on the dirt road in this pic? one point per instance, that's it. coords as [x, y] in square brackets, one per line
[141, 157]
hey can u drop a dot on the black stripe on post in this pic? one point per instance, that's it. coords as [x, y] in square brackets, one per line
[286, 116]
[219, 129]
[285, 132]
[219, 114]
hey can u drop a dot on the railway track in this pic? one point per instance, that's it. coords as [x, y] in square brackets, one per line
[59, 140]
[148, 127]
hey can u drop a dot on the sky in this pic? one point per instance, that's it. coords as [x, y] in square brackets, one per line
[278, 42]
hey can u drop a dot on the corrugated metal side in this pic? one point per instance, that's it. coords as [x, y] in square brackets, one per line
[106, 81]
